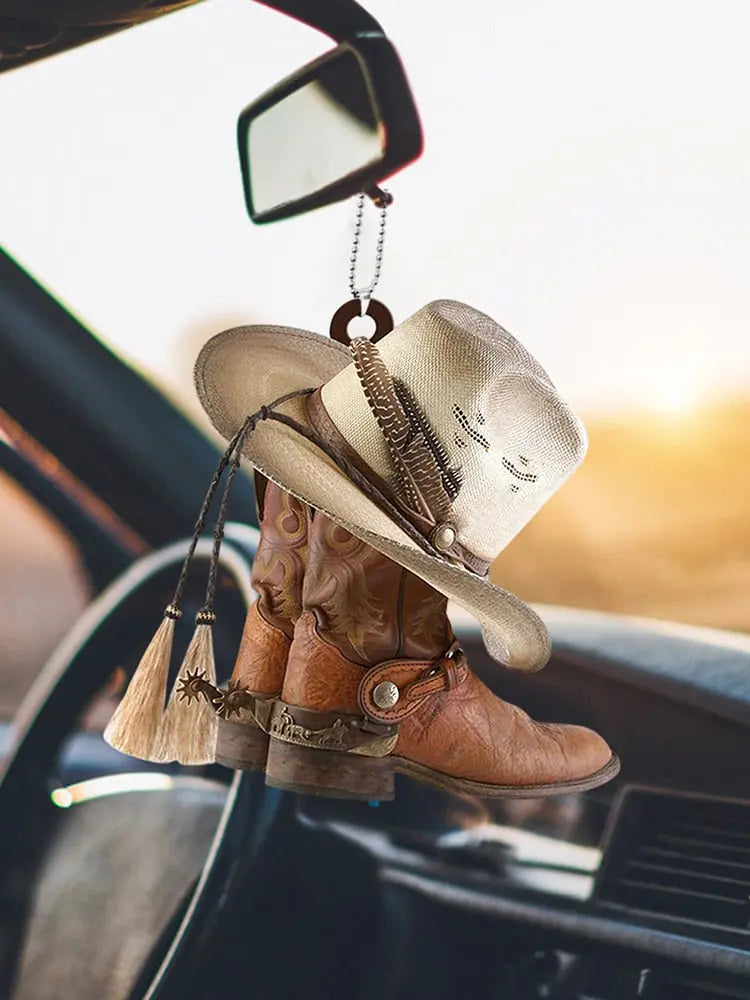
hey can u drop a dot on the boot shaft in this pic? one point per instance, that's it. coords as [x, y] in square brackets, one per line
[281, 558]
[367, 606]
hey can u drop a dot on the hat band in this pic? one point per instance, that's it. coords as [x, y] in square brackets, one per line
[379, 491]
[350, 470]
[352, 466]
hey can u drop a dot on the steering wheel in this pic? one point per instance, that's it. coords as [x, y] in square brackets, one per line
[121, 620]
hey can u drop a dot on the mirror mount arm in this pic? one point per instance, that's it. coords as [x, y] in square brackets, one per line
[379, 197]
[342, 20]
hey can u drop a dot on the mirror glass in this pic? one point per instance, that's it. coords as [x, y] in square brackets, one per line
[312, 137]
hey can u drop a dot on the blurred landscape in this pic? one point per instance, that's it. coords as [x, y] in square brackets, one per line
[43, 590]
[655, 522]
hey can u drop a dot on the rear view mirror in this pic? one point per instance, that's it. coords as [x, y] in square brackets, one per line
[336, 127]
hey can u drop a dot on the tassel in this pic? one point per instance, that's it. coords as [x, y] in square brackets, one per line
[189, 731]
[185, 732]
[189, 727]
[134, 727]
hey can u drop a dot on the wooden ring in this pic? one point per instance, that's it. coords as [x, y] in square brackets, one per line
[343, 316]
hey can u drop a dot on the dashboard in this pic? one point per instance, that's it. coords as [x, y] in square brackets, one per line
[640, 888]
[637, 889]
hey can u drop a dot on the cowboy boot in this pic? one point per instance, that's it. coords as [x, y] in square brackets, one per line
[278, 571]
[375, 683]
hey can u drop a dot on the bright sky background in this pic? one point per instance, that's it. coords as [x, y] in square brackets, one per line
[586, 181]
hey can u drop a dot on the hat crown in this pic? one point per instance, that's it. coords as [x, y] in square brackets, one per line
[494, 410]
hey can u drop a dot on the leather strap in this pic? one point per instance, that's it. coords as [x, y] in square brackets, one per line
[416, 681]
[356, 477]
[393, 508]
[323, 425]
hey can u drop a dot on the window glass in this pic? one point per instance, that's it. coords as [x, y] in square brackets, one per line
[43, 589]
[584, 181]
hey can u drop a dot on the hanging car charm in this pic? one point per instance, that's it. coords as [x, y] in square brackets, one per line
[379, 313]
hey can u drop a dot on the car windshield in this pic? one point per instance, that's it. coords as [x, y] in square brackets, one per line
[587, 187]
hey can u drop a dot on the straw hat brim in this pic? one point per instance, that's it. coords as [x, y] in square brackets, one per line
[240, 370]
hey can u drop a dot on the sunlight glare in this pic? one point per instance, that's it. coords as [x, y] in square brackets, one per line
[677, 398]
[111, 784]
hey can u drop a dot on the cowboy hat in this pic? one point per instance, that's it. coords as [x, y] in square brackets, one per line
[435, 447]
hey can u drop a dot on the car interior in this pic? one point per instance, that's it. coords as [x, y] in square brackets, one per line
[122, 879]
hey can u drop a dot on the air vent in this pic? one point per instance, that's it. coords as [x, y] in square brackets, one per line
[683, 857]
[691, 991]
[608, 981]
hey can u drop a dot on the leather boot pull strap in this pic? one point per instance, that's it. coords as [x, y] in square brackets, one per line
[393, 690]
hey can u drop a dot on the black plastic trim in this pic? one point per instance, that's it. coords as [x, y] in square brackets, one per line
[339, 19]
[390, 91]
[575, 927]
[107, 424]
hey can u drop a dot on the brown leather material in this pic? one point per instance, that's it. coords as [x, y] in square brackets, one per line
[317, 674]
[416, 681]
[367, 606]
[321, 422]
[471, 733]
[261, 660]
[278, 571]
[280, 561]
[446, 674]
[362, 610]
[466, 732]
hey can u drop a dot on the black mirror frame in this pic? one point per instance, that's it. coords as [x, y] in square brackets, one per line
[386, 79]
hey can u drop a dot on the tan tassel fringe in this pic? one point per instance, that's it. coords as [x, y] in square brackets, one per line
[134, 727]
[189, 728]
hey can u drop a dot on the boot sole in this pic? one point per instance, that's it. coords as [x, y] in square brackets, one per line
[243, 746]
[329, 773]
[464, 786]
[350, 776]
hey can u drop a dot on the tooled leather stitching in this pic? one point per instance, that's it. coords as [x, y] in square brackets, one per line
[422, 688]
[337, 573]
[413, 695]
[389, 672]
[281, 558]
[455, 673]
[265, 624]
[446, 680]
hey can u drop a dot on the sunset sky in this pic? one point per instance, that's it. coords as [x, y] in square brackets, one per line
[586, 181]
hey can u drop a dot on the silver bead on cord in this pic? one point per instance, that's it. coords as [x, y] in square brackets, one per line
[366, 293]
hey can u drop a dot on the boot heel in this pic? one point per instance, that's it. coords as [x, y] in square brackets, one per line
[331, 773]
[241, 745]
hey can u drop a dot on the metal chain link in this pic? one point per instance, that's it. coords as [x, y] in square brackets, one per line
[366, 293]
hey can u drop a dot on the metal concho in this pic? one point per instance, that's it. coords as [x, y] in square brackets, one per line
[385, 694]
